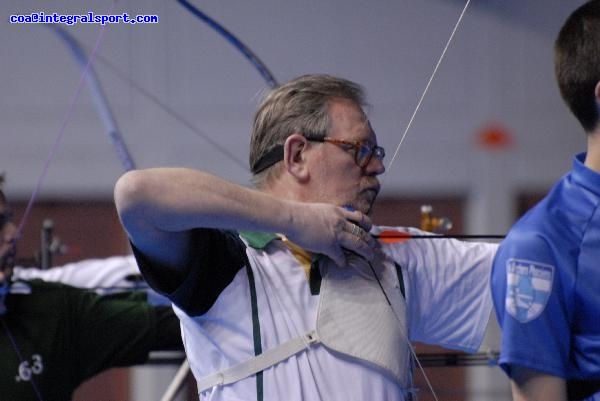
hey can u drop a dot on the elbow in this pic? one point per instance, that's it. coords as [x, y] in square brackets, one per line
[129, 194]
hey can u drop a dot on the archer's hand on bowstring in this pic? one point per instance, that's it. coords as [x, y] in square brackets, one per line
[332, 231]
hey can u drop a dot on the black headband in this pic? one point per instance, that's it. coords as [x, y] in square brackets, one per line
[274, 155]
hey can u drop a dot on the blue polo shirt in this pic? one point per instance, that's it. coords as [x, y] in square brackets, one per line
[546, 281]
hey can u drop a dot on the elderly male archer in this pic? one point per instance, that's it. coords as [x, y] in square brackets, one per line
[281, 289]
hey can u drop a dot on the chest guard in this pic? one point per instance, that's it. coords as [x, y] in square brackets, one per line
[361, 315]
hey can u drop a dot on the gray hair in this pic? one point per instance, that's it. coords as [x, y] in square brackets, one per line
[299, 106]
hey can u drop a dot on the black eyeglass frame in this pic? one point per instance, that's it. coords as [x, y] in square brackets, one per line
[363, 150]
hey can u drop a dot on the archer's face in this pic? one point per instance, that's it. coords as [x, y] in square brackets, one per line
[8, 233]
[339, 179]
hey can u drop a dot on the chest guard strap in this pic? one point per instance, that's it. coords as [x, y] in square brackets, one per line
[259, 363]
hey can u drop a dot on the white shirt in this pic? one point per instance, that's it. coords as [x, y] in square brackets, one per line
[447, 303]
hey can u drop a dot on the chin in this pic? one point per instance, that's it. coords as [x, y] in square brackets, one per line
[362, 206]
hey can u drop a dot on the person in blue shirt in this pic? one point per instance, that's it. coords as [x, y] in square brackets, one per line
[546, 274]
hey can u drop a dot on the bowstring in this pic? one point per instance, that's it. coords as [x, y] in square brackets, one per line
[66, 118]
[409, 344]
[403, 137]
[433, 74]
[171, 112]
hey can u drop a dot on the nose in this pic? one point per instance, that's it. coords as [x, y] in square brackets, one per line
[375, 166]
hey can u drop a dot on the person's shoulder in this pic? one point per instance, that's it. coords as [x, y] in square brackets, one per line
[558, 219]
[29, 297]
[532, 231]
[38, 284]
[533, 240]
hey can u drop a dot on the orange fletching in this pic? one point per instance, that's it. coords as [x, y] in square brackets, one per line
[392, 236]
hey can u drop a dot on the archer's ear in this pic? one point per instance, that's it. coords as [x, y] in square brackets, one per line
[294, 157]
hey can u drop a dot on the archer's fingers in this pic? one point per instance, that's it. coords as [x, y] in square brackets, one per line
[360, 242]
[361, 220]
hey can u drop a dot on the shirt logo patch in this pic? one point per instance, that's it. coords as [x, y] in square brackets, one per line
[529, 285]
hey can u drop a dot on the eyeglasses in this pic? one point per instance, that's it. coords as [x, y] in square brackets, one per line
[363, 150]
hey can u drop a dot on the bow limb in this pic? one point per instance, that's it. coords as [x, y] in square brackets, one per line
[102, 104]
[237, 43]
[105, 112]
[99, 97]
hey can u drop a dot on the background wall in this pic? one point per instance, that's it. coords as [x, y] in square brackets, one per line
[183, 96]
[498, 69]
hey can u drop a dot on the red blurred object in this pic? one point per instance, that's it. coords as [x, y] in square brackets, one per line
[494, 136]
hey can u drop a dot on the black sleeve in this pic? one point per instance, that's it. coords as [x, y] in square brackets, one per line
[111, 331]
[168, 332]
[215, 258]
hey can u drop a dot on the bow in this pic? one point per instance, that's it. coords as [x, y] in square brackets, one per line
[272, 82]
